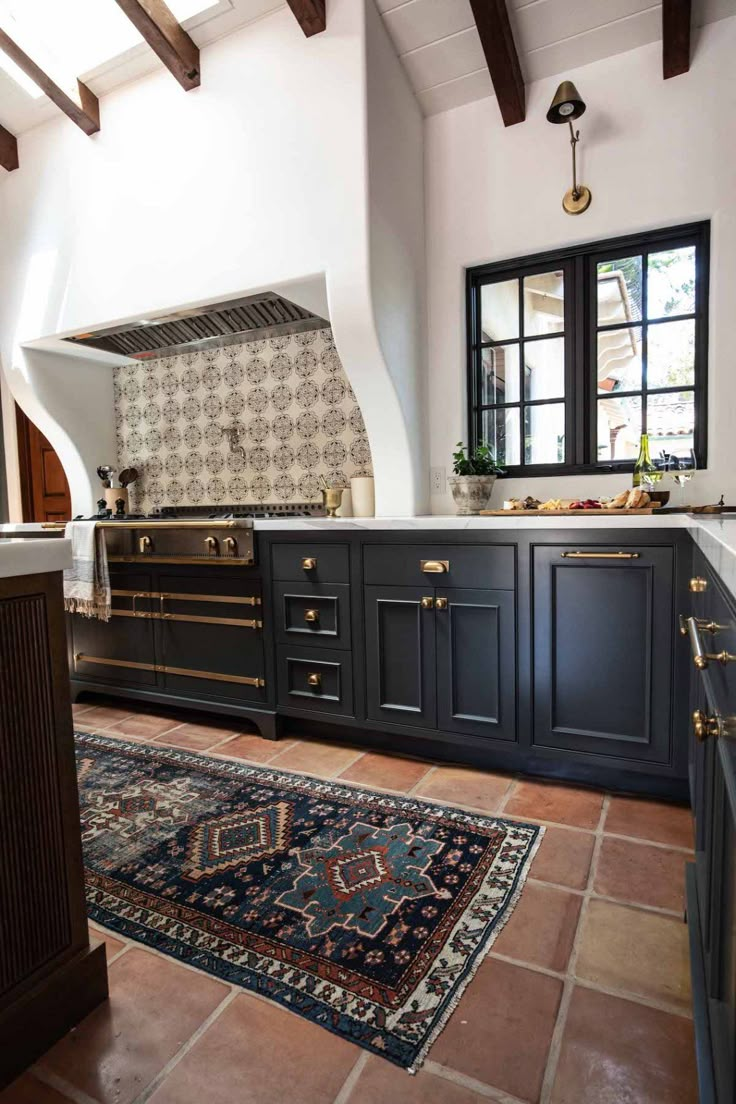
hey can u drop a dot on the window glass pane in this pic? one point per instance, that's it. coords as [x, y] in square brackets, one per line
[544, 369]
[619, 360]
[671, 282]
[619, 428]
[671, 354]
[544, 303]
[544, 434]
[499, 311]
[500, 379]
[670, 424]
[501, 430]
[619, 290]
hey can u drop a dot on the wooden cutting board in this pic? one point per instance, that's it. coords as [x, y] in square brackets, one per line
[567, 513]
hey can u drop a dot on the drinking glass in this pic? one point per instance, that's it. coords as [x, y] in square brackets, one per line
[682, 469]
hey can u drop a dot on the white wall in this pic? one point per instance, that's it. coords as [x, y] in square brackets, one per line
[256, 178]
[654, 153]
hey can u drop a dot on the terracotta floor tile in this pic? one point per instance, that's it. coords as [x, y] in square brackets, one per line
[500, 1032]
[154, 1007]
[142, 726]
[101, 716]
[112, 945]
[255, 748]
[564, 857]
[195, 737]
[388, 772]
[558, 804]
[640, 952]
[315, 757]
[542, 927]
[464, 786]
[80, 707]
[383, 1083]
[643, 875]
[650, 820]
[29, 1090]
[617, 1052]
[257, 1053]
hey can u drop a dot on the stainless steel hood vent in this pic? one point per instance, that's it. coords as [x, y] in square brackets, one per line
[264, 315]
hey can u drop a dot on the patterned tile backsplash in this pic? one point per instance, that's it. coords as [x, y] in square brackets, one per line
[289, 398]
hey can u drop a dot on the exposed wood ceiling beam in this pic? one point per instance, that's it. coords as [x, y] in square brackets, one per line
[166, 38]
[497, 39]
[84, 111]
[310, 15]
[8, 150]
[676, 16]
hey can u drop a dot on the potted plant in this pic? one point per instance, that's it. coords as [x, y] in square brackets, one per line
[474, 476]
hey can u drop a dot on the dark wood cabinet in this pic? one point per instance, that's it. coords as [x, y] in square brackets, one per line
[400, 646]
[603, 622]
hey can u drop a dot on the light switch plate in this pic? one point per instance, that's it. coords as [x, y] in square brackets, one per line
[436, 481]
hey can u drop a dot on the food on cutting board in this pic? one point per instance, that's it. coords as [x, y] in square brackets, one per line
[586, 504]
[553, 504]
[527, 503]
[635, 499]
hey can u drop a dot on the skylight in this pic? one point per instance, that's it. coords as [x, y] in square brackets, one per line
[69, 39]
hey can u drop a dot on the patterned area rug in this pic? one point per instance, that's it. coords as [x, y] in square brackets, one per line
[365, 913]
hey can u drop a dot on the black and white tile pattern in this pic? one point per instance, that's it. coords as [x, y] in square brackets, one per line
[292, 404]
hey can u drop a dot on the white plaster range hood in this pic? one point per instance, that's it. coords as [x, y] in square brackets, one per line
[235, 321]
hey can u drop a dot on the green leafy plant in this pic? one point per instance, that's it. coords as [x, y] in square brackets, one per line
[479, 462]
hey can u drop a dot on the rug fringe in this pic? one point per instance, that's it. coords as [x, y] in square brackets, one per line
[508, 913]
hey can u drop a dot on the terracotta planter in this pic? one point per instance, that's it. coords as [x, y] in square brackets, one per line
[471, 492]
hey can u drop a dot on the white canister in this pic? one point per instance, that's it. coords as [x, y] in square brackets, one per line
[346, 504]
[363, 495]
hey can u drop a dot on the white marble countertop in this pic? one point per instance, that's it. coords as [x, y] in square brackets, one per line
[31, 557]
[444, 522]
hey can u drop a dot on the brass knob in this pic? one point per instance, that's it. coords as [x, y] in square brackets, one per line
[314, 678]
[145, 544]
[427, 603]
[212, 545]
[309, 563]
[434, 567]
[698, 585]
[231, 545]
[311, 615]
[705, 726]
[441, 603]
[701, 662]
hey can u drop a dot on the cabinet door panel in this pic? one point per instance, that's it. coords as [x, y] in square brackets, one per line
[721, 953]
[126, 641]
[602, 663]
[476, 663]
[400, 656]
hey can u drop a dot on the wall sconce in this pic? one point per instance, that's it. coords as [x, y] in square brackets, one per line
[566, 106]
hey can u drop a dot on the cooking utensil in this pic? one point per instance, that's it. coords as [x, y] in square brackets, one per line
[128, 476]
[105, 473]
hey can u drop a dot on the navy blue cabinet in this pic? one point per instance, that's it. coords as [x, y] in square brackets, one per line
[401, 684]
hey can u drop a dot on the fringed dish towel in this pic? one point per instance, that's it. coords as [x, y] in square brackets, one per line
[87, 581]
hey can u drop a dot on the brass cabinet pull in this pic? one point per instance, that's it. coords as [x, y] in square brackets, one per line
[212, 545]
[309, 563]
[705, 726]
[231, 545]
[697, 585]
[701, 658]
[314, 678]
[441, 604]
[427, 603]
[145, 545]
[434, 567]
[706, 626]
[311, 615]
[161, 668]
[600, 555]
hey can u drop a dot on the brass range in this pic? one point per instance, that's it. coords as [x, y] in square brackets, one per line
[214, 543]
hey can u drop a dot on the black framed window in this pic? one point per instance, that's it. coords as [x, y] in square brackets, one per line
[573, 354]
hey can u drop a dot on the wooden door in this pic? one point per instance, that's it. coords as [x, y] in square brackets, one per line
[476, 662]
[603, 643]
[44, 488]
[400, 655]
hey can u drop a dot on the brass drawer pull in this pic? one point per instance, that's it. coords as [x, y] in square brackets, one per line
[600, 555]
[701, 658]
[161, 668]
[427, 603]
[698, 585]
[309, 563]
[311, 615]
[314, 679]
[706, 626]
[434, 567]
[441, 604]
[705, 726]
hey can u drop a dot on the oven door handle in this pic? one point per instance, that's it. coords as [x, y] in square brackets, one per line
[700, 659]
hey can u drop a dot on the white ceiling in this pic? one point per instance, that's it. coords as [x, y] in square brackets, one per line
[20, 110]
[439, 46]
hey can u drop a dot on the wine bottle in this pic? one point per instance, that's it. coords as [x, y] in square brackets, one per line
[644, 470]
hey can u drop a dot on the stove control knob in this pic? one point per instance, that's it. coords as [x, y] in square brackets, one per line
[212, 545]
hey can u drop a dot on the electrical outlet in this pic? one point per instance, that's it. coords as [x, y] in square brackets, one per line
[436, 481]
